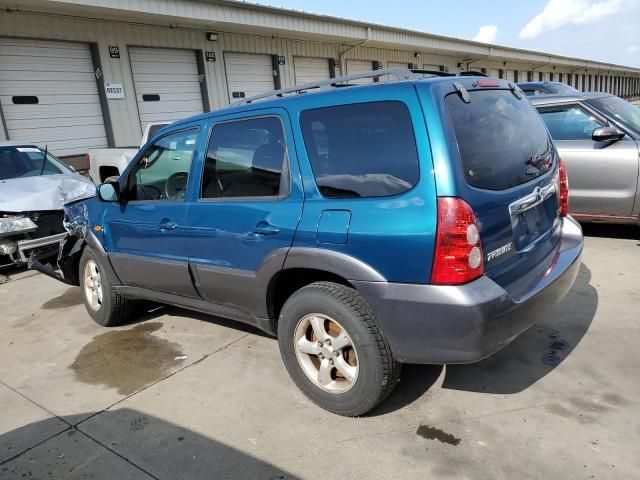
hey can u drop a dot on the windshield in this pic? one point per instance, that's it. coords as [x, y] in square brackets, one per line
[502, 140]
[27, 161]
[623, 111]
[562, 88]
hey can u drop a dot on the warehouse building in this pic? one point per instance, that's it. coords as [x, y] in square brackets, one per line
[76, 74]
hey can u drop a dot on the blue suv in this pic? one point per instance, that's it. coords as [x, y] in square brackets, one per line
[422, 220]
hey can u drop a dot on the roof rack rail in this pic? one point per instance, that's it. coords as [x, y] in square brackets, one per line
[399, 73]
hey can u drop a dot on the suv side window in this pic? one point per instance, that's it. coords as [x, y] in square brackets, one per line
[569, 122]
[245, 158]
[361, 150]
[162, 172]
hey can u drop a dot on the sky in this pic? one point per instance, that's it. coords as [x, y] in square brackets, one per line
[602, 30]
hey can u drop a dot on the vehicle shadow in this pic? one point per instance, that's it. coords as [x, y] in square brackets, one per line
[123, 443]
[607, 230]
[537, 351]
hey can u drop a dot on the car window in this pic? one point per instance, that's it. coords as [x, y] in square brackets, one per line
[361, 150]
[501, 139]
[562, 88]
[569, 122]
[28, 161]
[162, 172]
[245, 158]
[619, 109]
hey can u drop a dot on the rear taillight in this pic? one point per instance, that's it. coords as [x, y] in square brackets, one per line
[458, 256]
[564, 189]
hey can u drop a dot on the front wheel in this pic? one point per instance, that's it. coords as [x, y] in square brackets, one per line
[106, 306]
[334, 350]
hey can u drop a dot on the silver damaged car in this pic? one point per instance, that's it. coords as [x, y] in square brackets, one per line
[34, 186]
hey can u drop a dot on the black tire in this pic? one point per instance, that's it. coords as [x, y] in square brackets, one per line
[115, 309]
[378, 372]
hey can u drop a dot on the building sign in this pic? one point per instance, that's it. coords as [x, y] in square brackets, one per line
[210, 56]
[281, 60]
[114, 90]
[114, 52]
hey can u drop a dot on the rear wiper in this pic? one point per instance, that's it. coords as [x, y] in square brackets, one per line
[44, 159]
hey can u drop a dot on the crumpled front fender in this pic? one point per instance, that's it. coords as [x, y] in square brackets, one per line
[79, 235]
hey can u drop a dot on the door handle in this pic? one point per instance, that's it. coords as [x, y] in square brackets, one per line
[168, 226]
[263, 228]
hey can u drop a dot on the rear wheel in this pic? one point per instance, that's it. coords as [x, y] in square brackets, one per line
[334, 350]
[106, 306]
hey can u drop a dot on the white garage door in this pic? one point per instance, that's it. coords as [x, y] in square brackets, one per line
[397, 65]
[167, 84]
[308, 69]
[49, 95]
[359, 66]
[248, 74]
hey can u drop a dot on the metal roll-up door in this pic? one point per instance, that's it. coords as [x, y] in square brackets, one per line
[397, 64]
[248, 74]
[167, 84]
[359, 66]
[49, 95]
[309, 69]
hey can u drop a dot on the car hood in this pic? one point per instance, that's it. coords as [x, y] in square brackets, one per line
[45, 192]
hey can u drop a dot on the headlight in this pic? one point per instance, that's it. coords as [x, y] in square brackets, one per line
[13, 225]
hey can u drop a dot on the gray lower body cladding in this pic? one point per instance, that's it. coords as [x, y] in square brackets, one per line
[467, 323]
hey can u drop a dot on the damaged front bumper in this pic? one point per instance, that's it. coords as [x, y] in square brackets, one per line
[30, 234]
[70, 244]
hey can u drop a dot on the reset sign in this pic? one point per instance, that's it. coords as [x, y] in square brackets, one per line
[114, 90]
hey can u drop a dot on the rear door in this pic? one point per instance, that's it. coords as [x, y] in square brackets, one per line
[603, 176]
[248, 206]
[505, 169]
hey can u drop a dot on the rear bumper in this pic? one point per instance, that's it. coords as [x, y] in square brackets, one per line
[466, 323]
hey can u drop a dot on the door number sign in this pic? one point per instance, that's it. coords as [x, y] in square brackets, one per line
[114, 52]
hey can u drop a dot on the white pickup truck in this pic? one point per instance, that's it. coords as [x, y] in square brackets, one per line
[111, 162]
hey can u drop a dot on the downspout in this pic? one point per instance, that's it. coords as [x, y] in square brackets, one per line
[341, 55]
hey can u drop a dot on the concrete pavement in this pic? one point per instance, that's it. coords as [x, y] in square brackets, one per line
[182, 395]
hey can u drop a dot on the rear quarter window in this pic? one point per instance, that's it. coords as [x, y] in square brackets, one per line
[501, 139]
[361, 150]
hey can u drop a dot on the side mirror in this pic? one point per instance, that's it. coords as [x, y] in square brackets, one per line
[606, 134]
[109, 192]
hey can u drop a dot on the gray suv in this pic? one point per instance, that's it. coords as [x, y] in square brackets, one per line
[598, 137]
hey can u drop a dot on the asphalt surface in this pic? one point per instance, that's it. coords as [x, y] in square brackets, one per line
[181, 395]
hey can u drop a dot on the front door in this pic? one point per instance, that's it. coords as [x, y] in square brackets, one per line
[603, 176]
[245, 215]
[146, 231]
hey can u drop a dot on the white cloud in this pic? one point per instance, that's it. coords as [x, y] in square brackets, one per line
[559, 13]
[487, 34]
[632, 49]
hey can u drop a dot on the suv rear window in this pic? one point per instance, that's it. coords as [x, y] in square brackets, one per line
[361, 150]
[502, 140]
